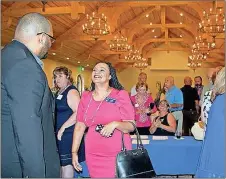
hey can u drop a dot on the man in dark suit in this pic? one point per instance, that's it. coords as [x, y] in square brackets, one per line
[28, 140]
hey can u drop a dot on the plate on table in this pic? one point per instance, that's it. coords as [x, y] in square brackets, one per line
[134, 141]
[159, 137]
[141, 136]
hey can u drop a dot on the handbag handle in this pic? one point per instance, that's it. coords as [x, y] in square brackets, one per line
[139, 142]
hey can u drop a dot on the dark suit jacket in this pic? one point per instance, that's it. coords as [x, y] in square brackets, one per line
[28, 139]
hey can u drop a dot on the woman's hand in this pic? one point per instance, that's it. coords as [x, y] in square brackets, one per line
[157, 123]
[75, 163]
[60, 133]
[147, 110]
[108, 129]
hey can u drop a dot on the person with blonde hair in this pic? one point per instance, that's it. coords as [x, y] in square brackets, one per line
[67, 99]
[144, 106]
[211, 163]
[165, 123]
[142, 78]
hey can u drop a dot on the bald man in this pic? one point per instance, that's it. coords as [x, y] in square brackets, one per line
[28, 140]
[191, 105]
[174, 97]
[142, 78]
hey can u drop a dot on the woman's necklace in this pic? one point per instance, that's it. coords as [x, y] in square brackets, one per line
[61, 91]
[97, 109]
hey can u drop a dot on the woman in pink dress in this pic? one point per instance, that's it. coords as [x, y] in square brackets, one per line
[143, 103]
[108, 105]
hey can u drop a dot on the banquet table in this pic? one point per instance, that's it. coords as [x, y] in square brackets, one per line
[172, 156]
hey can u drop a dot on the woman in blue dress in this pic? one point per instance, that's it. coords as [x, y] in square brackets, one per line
[67, 100]
[211, 164]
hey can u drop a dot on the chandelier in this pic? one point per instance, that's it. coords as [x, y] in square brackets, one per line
[202, 45]
[193, 64]
[213, 23]
[197, 55]
[140, 65]
[119, 44]
[133, 55]
[96, 25]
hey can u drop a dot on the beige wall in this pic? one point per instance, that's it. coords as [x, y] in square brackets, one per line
[50, 65]
[163, 64]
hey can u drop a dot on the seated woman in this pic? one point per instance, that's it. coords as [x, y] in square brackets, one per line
[165, 123]
[144, 107]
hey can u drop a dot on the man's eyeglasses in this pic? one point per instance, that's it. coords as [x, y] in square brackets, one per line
[51, 37]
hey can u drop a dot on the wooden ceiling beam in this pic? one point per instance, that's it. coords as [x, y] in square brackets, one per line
[105, 52]
[48, 11]
[67, 34]
[6, 23]
[221, 36]
[88, 51]
[15, 6]
[113, 15]
[138, 17]
[185, 13]
[189, 30]
[133, 24]
[168, 49]
[152, 3]
[6, 19]
[211, 59]
[163, 18]
[74, 10]
[197, 8]
[216, 55]
[217, 51]
[171, 49]
[142, 43]
[162, 40]
[75, 37]
[167, 36]
[170, 25]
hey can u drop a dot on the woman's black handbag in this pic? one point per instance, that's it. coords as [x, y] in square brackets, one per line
[134, 163]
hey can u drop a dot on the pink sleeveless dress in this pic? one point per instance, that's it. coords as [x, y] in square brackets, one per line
[101, 151]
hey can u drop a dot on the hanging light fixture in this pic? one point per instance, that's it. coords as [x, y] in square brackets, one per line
[133, 56]
[119, 44]
[213, 23]
[197, 55]
[194, 64]
[43, 5]
[96, 25]
[202, 45]
[140, 65]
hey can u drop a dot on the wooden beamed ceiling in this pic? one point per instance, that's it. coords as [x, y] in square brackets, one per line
[131, 18]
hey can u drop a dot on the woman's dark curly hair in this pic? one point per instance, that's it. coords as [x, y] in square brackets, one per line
[113, 82]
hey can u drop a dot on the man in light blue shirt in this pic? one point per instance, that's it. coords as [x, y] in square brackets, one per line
[174, 96]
